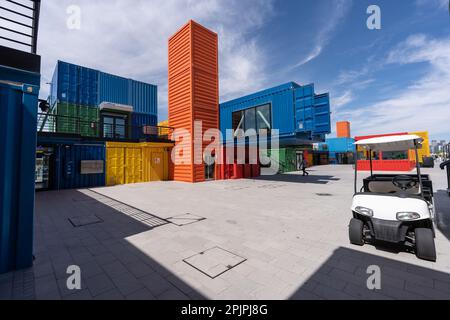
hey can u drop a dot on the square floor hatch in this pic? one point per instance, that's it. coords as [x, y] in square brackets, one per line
[82, 221]
[185, 219]
[214, 262]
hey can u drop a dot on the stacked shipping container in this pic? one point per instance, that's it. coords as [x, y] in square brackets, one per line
[297, 112]
[76, 93]
[193, 90]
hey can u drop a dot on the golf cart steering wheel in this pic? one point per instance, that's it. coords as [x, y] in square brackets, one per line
[404, 182]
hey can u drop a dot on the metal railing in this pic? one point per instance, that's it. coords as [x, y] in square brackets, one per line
[20, 22]
[65, 125]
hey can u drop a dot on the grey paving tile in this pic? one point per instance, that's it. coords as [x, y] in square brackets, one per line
[6, 290]
[141, 294]
[127, 283]
[105, 258]
[110, 295]
[173, 294]
[156, 284]
[329, 293]
[43, 269]
[114, 269]
[140, 269]
[81, 295]
[426, 291]
[99, 284]
[305, 295]
[362, 292]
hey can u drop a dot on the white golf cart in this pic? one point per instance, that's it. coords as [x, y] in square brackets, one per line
[394, 208]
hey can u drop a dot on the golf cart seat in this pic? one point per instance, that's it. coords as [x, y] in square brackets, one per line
[383, 184]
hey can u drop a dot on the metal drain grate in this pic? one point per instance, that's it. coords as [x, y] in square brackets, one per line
[214, 262]
[82, 221]
[185, 219]
[143, 217]
[324, 194]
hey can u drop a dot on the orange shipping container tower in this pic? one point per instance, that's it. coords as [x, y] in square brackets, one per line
[193, 90]
[343, 129]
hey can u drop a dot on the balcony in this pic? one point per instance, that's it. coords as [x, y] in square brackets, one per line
[49, 124]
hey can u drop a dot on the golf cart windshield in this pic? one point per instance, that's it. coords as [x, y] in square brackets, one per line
[393, 144]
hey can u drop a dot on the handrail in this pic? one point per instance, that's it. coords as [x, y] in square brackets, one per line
[62, 124]
[16, 12]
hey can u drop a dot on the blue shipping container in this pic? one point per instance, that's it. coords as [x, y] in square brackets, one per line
[296, 110]
[143, 97]
[67, 157]
[74, 84]
[138, 121]
[18, 103]
[340, 145]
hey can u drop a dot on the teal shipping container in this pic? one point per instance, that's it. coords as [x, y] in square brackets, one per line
[18, 105]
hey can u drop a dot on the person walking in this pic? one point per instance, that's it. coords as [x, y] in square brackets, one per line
[304, 166]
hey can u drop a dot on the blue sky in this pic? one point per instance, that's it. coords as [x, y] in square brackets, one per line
[389, 80]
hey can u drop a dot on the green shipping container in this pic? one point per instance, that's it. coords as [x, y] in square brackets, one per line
[77, 119]
[286, 158]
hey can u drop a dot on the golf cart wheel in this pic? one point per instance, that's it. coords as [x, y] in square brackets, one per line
[355, 232]
[425, 248]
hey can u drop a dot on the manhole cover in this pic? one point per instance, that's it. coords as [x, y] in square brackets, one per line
[185, 219]
[324, 194]
[85, 220]
[214, 262]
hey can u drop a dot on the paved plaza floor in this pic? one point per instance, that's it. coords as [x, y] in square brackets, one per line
[275, 237]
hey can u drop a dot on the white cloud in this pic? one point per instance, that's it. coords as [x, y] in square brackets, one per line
[339, 11]
[129, 38]
[424, 105]
[342, 100]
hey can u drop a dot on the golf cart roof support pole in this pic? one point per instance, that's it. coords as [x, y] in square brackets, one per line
[418, 168]
[356, 172]
[370, 158]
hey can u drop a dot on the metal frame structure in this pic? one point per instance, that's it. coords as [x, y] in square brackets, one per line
[33, 26]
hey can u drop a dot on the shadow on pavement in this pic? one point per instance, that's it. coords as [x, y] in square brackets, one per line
[111, 267]
[442, 205]
[344, 276]
[298, 178]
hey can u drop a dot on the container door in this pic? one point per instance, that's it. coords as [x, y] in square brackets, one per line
[133, 165]
[115, 169]
[157, 166]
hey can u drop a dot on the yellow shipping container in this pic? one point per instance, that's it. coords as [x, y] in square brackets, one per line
[136, 162]
[425, 151]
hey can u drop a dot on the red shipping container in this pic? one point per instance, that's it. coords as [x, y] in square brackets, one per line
[256, 170]
[238, 171]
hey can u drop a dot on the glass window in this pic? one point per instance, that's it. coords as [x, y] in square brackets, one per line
[238, 120]
[250, 119]
[120, 128]
[395, 155]
[263, 118]
[257, 118]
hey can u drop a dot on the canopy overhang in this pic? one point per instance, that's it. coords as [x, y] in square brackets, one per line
[391, 143]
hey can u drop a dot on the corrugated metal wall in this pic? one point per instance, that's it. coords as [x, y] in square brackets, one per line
[136, 162]
[75, 84]
[295, 109]
[138, 121]
[68, 157]
[281, 99]
[142, 96]
[193, 89]
[17, 168]
[341, 145]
